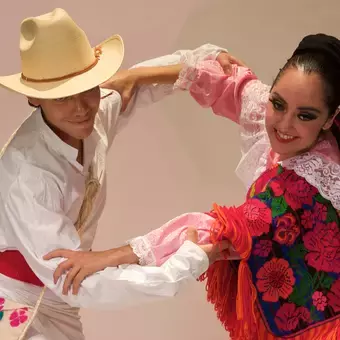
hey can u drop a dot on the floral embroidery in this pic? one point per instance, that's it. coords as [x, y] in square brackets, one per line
[334, 296]
[288, 316]
[275, 280]
[2, 303]
[311, 217]
[286, 230]
[258, 216]
[18, 317]
[263, 248]
[323, 244]
[319, 301]
[296, 190]
[295, 263]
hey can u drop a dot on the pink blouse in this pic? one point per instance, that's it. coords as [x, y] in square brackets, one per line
[242, 98]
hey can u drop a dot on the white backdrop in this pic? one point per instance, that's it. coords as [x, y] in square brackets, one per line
[173, 157]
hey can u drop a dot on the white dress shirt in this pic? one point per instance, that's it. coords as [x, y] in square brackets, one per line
[41, 191]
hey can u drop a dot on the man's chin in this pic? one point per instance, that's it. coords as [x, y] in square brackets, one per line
[85, 133]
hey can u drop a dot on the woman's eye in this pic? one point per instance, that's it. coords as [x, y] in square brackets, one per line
[306, 116]
[277, 105]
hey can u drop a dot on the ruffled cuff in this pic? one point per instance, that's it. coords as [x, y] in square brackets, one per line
[142, 248]
[192, 62]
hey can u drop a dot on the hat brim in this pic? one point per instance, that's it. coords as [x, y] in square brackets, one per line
[110, 61]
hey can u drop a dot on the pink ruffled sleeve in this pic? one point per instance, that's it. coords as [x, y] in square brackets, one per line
[211, 87]
[156, 247]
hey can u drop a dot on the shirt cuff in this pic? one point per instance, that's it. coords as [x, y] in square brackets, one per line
[198, 258]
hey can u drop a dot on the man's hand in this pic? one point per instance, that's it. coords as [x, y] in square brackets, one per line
[80, 264]
[226, 60]
[215, 252]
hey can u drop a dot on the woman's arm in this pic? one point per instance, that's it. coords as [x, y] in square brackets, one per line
[153, 249]
[32, 211]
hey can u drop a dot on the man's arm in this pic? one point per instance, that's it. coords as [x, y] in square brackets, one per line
[36, 225]
[134, 96]
[122, 96]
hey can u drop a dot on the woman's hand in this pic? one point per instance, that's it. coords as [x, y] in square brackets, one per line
[226, 60]
[81, 264]
[125, 82]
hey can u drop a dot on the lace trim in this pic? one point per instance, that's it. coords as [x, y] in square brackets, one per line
[189, 71]
[142, 248]
[316, 166]
[319, 172]
[254, 142]
[191, 67]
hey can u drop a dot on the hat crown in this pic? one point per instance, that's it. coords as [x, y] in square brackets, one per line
[52, 45]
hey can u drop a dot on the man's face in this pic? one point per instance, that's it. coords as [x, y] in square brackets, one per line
[71, 118]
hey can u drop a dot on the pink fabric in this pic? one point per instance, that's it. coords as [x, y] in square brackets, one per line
[242, 98]
[158, 245]
[211, 87]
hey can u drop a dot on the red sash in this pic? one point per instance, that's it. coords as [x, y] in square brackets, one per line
[14, 265]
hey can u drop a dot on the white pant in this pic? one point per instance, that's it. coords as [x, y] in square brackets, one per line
[55, 319]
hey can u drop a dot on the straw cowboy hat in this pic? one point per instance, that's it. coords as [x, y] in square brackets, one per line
[57, 59]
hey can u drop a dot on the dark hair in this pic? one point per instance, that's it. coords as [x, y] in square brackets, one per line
[317, 62]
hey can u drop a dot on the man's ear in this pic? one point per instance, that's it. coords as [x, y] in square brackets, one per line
[33, 102]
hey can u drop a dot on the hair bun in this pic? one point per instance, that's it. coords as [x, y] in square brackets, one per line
[325, 44]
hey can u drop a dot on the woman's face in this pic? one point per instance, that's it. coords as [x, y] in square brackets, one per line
[296, 112]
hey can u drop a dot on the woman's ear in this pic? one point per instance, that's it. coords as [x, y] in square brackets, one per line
[330, 121]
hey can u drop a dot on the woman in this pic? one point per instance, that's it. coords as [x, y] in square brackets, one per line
[287, 284]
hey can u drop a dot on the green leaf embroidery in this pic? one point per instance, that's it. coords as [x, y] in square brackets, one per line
[326, 282]
[332, 216]
[265, 196]
[297, 253]
[279, 206]
[1, 315]
[321, 199]
[302, 289]
[280, 170]
[314, 314]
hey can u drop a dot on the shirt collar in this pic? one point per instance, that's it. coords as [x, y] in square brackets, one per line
[54, 142]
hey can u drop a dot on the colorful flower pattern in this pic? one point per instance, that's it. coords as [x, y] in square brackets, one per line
[275, 280]
[15, 317]
[295, 260]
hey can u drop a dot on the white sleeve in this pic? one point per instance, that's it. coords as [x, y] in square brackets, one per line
[149, 94]
[36, 225]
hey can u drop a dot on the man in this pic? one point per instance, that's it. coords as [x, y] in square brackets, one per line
[52, 183]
